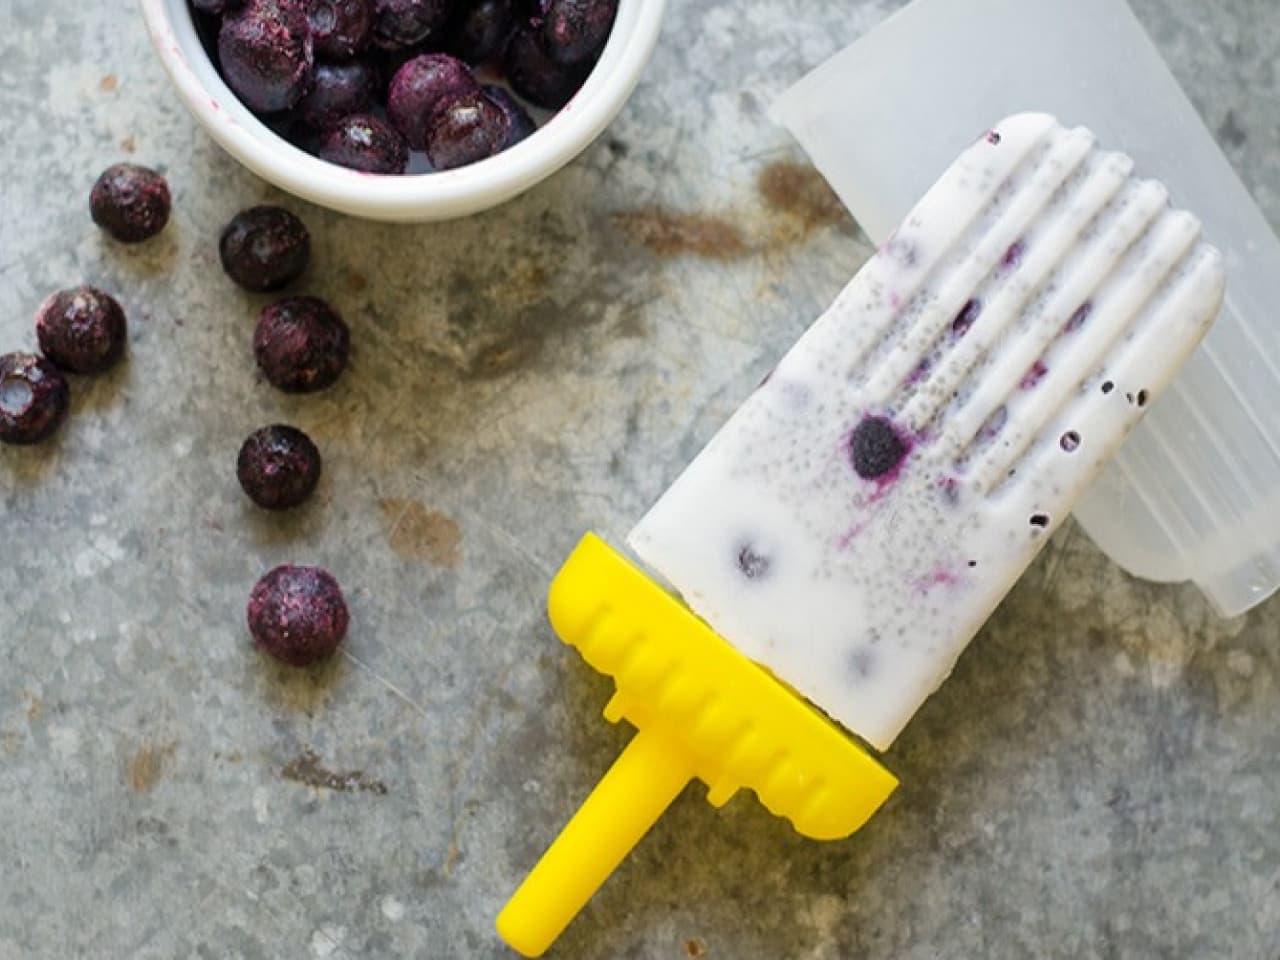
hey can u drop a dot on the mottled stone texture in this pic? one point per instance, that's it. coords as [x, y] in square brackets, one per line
[1098, 779]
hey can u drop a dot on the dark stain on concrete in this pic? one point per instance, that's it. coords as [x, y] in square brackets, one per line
[670, 233]
[307, 769]
[415, 532]
[799, 191]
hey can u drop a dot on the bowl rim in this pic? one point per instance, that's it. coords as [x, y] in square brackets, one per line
[411, 197]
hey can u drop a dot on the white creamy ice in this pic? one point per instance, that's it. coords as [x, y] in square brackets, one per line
[864, 511]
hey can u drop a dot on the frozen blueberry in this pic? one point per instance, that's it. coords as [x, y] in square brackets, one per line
[81, 329]
[34, 397]
[130, 202]
[298, 614]
[278, 467]
[363, 142]
[301, 344]
[264, 248]
[423, 87]
[575, 31]
[215, 7]
[338, 90]
[535, 76]
[752, 565]
[479, 32]
[469, 129]
[341, 28]
[875, 448]
[266, 53]
[519, 123]
[406, 23]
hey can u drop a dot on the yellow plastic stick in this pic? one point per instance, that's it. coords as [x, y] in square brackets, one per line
[635, 792]
[703, 710]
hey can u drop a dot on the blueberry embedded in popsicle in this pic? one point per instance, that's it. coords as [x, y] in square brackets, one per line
[1013, 256]
[964, 319]
[753, 565]
[876, 448]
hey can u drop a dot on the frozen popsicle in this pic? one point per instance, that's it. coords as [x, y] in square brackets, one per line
[861, 515]
[863, 512]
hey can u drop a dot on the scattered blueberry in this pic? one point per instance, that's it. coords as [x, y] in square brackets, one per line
[753, 565]
[470, 128]
[1013, 256]
[1069, 441]
[278, 467]
[340, 28]
[1108, 386]
[264, 248]
[876, 448]
[338, 90]
[298, 614]
[266, 53]
[130, 202]
[34, 397]
[574, 31]
[81, 329]
[421, 89]
[993, 138]
[964, 319]
[479, 32]
[301, 344]
[406, 23]
[1142, 398]
[519, 123]
[364, 142]
[535, 76]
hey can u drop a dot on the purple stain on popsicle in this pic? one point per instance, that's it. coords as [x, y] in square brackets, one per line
[1035, 373]
[1079, 317]
[937, 578]
[1013, 256]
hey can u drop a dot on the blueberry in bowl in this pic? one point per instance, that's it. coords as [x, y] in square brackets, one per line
[281, 101]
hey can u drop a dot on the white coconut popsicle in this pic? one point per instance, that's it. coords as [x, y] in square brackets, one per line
[863, 512]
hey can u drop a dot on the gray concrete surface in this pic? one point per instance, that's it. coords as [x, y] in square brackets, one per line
[1098, 779]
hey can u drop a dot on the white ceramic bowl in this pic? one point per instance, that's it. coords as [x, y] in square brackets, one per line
[420, 197]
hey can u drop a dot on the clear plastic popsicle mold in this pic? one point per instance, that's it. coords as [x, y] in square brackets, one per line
[1195, 492]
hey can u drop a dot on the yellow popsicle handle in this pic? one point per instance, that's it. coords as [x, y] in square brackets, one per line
[702, 710]
[639, 786]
